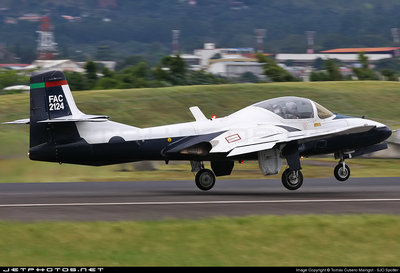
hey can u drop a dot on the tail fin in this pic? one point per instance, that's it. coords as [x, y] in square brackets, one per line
[54, 136]
[53, 110]
[58, 101]
[50, 98]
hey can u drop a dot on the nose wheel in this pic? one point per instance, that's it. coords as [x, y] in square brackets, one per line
[292, 180]
[342, 171]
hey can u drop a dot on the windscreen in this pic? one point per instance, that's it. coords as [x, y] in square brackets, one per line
[288, 107]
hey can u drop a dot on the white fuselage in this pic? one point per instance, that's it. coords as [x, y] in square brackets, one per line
[249, 123]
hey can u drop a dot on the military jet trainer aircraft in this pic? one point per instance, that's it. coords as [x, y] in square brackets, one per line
[268, 131]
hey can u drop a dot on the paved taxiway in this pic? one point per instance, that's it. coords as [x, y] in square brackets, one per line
[113, 201]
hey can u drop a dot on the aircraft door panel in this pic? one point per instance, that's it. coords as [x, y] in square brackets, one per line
[269, 161]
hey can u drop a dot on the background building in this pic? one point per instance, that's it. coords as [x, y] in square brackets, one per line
[235, 69]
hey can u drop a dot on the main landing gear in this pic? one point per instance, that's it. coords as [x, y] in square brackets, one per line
[205, 178]
[292, 180]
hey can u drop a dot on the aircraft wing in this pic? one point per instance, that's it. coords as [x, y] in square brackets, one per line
[243, 141]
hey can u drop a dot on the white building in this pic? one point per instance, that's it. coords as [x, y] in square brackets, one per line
[192, 61]
[305, 58]
[209, 51]
[235, 69]
[107, 64]
[18, 87]
[63, 65]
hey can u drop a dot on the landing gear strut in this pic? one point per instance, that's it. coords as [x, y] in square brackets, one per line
[292, 180]
[342, 171]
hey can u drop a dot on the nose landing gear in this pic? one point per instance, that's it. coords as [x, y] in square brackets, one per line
[342, 171]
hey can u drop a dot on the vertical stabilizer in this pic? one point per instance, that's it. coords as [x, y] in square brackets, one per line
[50, 98]
[58, 100]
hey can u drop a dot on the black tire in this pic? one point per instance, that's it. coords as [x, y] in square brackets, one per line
[205, 179]
[340, 173]
[290, 181]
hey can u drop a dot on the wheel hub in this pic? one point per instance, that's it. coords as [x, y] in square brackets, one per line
[206, 179]
[293, 178]
[343, 172]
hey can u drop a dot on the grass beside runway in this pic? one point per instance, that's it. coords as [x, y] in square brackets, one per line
[23, 170]
[313, 240]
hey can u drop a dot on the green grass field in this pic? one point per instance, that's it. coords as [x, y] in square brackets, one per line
[345, 240]
[311, 240]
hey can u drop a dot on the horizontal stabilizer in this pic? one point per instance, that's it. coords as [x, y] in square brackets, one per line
[196, 112]
[88, 118]
[18, 121]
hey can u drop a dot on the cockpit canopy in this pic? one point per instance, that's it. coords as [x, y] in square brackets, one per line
[294, 108]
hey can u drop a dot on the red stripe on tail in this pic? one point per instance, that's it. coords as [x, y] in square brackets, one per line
[56, 83]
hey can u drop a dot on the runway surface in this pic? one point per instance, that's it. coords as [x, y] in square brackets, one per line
[155, 200]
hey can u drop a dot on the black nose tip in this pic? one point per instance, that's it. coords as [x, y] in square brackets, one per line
[384, 132]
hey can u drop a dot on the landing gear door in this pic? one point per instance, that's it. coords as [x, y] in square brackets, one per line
[269, 161]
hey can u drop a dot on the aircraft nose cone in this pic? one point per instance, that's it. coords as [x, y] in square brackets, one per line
[384, 132]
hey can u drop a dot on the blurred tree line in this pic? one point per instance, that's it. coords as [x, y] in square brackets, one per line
[137, 73]
[10, 78]
[273, 71]
[329, 70]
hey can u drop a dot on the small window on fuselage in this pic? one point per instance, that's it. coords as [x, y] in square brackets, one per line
[322, 112]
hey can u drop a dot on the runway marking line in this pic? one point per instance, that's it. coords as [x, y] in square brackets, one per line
[216, 202]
